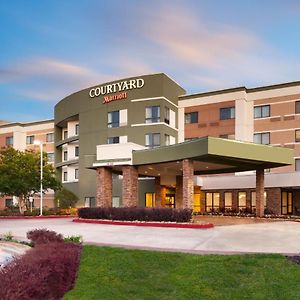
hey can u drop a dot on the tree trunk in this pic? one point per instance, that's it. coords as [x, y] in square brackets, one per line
[22, 205]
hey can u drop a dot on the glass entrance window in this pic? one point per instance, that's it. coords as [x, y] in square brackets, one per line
[212, 201]
[150, 200]
[228, 200]
[197, 203]
[253, 200]
[286, 203]
[241, 200]
[170, 200]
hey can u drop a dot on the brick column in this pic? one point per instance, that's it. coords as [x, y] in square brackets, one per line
[178, 192]
[104, 187]
[187, 183]
[130, 186]
[260, 182]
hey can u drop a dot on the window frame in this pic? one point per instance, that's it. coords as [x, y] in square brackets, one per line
[76, 174]
[50, 140]
[213, 206]
[9, 140]
[297, 161]
[191, 117]
[65, 155]
[297, 139]
[76, 129]
[50, 154]
[224, 115]
[113, 139]
[151, 140]
[297, 107]
[260, 110]
[261, 134]
[65, 176]
[29, 139]
[152, 119]
[76, 151]
[115, 119]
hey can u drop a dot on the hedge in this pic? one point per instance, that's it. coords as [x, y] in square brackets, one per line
[46, 271]
[136, 214]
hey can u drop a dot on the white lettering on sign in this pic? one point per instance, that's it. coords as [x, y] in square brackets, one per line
[117, 87]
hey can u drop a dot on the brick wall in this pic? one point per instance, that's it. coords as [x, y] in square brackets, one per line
[104, 187]
[130, 186]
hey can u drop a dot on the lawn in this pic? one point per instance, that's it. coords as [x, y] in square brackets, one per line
[112, 273]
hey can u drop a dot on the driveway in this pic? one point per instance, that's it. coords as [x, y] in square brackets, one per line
[277, 237]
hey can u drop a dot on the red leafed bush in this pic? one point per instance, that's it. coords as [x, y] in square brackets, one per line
[46, 271]
[44, 236]
[136, 214]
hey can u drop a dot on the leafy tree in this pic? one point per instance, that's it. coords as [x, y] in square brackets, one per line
[20, 175]
[65, 198]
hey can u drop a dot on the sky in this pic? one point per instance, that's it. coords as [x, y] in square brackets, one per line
[52, 48]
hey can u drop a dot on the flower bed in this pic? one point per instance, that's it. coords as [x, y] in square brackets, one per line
[47, 271]
[137, 214]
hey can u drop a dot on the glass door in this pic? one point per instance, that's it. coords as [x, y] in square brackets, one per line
[170, 200]
[286, 203]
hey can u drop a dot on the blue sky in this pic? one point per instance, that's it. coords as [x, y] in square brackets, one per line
[51, 48]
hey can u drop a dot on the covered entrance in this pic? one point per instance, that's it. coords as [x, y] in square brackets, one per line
[178, 164]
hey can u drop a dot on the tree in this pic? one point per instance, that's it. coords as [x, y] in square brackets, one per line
[20, 175]
[65, 198]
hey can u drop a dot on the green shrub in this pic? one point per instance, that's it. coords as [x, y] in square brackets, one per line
[65, 198]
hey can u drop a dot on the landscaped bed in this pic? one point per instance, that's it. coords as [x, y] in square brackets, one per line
[112, 273]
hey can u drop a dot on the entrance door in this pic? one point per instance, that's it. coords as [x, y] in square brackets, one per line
[286, 203]
[170, 200]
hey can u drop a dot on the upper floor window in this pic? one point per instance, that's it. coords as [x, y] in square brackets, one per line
[76, 151]
[297, 164]
[297, 135]
[152, 140]
[76, 175]
[262, 111]
[152, 114]
[65, 155]
[227, 113]
[297, 107]
[29, 139]
[65, 176]
[191, 117]
[65, 134]
[167, 115]
[113, 119]
[262, 138]
[9, 141]
[50, 157]
[50, 137]
[167, 140]
[76, 129]
[113, 140]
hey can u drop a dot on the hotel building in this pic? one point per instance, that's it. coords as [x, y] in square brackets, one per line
[143, 141]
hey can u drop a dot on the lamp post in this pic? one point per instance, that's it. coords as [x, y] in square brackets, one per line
[41, 185]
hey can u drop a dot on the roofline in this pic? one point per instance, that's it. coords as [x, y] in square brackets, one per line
[242, 88]
[24, 124]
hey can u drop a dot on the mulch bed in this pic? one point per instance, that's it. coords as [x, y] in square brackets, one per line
[294, 259]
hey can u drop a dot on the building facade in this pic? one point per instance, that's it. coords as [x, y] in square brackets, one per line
[21, 136]
[147, 127]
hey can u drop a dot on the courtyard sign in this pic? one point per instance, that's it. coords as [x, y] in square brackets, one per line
[121, 86]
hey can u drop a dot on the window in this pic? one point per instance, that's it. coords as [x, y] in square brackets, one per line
[227, 136]
[76, 173]
[228, 200]
[65, 174]
[113, 140]
[297, 107]
[167, 115]
[297, 164]
[113, 119]
[191, 117]
[212, 201]
[29, 139]
[65, 155]
[76, 129]
[286, 203]
[227, 113]
[153, 114]
[76, 151]
[297, 135]
[50, 157]
[50, 137]
[262, 111]
[152, 140]
[167, 140]
[241, 200]
[150, 200]
[197, 202]
[65, 134]
[262, 138]
[9, 141]
[9, 202]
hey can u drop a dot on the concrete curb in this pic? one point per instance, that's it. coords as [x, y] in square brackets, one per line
[146, 224]
[33, 217]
